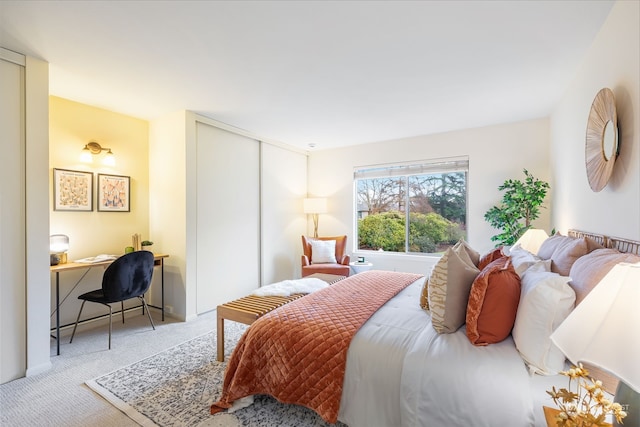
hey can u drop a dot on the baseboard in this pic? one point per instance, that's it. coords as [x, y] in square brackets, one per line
[38, 369]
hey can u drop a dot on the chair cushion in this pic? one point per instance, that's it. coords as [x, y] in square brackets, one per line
[94, 296]
[336, 269]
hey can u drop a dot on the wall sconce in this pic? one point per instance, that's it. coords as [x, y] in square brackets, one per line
[92, 148]
[315, 206]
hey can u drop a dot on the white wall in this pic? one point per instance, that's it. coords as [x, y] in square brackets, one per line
[283, 186]
[495, 153]
[612, 61]
[168, 192]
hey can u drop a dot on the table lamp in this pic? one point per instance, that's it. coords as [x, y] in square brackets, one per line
[603, 330]
[532, 239]
[59, 246]
[315, 206]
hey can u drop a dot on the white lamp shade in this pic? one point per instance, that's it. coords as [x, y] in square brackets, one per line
[532, 239]
[109, 159]
[315, 205]
[603, 328]
[58, 243]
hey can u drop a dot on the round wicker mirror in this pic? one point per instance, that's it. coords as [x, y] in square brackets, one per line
[601, 147]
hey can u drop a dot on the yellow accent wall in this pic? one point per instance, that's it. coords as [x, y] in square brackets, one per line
[71, 126]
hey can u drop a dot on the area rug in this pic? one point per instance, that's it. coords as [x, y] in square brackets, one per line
[177, 387]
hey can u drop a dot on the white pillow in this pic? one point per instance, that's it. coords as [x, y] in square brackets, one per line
[522, 259]
[323, 251]
[546, 300]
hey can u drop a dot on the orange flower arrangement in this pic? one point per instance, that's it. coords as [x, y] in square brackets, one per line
[588, 406]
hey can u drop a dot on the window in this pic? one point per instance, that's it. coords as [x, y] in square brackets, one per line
[412, 208]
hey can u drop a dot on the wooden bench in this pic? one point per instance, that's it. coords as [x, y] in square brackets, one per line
[248, 309]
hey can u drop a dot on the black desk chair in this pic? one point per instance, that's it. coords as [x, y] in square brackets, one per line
[127, 277]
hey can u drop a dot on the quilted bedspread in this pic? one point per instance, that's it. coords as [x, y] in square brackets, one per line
[297, 353]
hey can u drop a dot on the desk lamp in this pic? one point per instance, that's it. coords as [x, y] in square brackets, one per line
[603, 330]
[58, 247]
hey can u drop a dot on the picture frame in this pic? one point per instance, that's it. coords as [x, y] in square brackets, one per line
[72, 190]
[114, 193]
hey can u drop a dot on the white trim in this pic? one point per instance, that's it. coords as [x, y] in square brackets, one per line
[221, 125]
[35, 370]
[418, 167]
[11, 56]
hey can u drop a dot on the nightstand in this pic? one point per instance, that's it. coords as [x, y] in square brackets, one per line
[359, 267]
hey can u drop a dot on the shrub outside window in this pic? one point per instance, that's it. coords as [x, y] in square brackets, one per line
[418, 208]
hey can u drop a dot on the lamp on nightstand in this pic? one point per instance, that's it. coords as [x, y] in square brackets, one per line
[603, 330]
[532, 239]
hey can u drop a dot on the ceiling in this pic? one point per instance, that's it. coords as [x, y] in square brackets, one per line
[312, 73]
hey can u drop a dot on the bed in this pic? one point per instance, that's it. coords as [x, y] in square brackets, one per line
[394, 368]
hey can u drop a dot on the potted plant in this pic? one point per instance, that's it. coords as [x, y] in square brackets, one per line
[145, 245]
[520, 205]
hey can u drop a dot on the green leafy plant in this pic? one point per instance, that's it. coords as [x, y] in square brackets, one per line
[520, 205]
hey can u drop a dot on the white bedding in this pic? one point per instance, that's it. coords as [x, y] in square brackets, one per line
[287, 288]
[400, 372]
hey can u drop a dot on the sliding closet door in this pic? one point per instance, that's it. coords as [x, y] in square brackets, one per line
[13, 330]
[228, 216]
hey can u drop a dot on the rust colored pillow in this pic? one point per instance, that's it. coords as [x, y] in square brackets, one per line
[488, 258]
[493, 303]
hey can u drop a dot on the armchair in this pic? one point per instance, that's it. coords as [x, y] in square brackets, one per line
[341, 265]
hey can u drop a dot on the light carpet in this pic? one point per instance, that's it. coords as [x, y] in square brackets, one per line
[177, 387]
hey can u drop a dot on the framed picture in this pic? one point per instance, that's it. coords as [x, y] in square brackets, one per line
[114, 193]
[72, 190]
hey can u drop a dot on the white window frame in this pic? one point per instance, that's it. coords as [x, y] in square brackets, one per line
[406, 169]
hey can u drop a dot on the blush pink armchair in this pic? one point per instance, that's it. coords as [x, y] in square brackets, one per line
[341, 268]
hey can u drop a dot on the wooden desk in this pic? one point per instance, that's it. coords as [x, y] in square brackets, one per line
[69, 266]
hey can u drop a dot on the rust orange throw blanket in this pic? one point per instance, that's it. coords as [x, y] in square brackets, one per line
[298, 352]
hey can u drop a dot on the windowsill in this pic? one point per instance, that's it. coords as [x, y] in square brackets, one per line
[382, 254]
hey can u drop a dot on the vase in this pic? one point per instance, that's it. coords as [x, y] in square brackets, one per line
[550, 415]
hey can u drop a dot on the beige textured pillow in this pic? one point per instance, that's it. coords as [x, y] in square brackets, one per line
[449, 285]
[474, 255]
